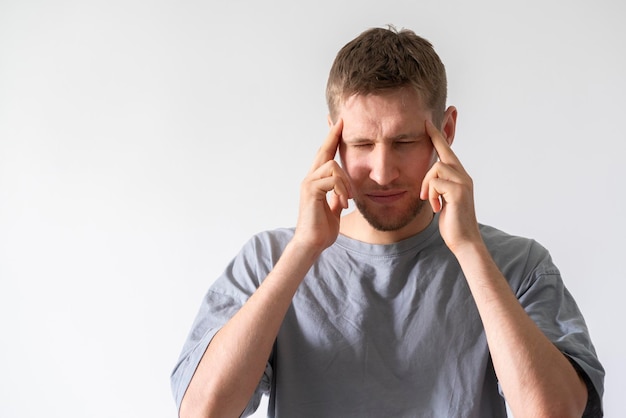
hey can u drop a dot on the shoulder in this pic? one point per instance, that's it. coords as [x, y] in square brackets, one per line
[253, 262]
[274, 238]
[267, 245]
[500, 241]
[513, 252]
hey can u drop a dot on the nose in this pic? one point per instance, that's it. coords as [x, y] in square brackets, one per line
[383, 167]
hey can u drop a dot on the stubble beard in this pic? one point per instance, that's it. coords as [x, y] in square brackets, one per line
[386, 222]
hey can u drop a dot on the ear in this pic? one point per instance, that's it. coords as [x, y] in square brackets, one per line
[448, 127]
[330, 121]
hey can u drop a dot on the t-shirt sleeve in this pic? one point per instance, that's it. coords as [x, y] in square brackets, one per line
[225, 297]
[551, 306]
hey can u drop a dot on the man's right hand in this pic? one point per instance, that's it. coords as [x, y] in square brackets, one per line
[318, 219]
[236, 358]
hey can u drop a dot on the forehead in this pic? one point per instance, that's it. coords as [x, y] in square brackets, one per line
[385, 114]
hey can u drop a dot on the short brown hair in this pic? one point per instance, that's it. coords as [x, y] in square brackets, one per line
[381, 59]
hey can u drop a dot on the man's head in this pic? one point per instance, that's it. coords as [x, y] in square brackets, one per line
[385, 59]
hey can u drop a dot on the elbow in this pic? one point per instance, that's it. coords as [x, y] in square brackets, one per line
[190, 408]
[207, 407]
[575, 403]
[196, 407]
[571, 407]
[564, 412]
[554, 401]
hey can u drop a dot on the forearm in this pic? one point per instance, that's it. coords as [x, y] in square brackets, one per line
[536, 378]
[235, 360]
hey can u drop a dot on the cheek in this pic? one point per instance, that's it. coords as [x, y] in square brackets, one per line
[427, 157]
[353, 164]
[420, 163]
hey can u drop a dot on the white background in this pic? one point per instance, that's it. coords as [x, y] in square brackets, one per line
[142, 142]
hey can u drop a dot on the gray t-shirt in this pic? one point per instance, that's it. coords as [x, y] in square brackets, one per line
[390, 330]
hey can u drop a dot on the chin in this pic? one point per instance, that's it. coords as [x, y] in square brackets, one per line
[389, 222]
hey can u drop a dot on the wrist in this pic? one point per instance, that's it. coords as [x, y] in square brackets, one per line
[302, 253]
[475, 259]
[471, 250]
[480, 269]
[304, 246]
[291, 268]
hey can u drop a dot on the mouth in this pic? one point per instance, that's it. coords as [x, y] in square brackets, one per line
[386, 197]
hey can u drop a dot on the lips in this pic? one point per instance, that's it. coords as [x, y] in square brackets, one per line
[386, 197]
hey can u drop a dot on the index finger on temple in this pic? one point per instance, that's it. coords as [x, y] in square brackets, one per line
[445, 153]
[329, 147]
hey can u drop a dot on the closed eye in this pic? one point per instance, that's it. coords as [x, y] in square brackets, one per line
[405, 143]
[408, 140]
[361, 144]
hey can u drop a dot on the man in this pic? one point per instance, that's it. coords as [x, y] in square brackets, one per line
[405, 307]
